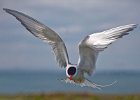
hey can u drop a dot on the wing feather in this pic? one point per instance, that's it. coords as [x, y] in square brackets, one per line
[90, 47]
[44, 33]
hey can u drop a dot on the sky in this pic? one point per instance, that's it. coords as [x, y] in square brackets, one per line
[72, 20]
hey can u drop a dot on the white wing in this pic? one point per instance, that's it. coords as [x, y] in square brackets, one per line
[45, 33]
[94, 43]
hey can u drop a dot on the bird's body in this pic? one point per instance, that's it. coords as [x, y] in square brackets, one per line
[89, 47]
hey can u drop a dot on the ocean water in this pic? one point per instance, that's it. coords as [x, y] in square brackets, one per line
[13, 82]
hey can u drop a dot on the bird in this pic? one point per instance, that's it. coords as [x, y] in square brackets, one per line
[89, 47]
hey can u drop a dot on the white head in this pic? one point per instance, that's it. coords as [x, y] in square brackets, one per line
[71, 71]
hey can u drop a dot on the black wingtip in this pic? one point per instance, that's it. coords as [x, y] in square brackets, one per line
[134, 25]
[8, 10]
[5, 9]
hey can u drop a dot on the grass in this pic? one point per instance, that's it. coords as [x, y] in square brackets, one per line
[69, 96]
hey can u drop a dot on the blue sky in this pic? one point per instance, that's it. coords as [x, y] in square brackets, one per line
[73, 20]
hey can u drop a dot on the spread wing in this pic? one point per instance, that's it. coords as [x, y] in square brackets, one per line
[90, 47]
[44, 33]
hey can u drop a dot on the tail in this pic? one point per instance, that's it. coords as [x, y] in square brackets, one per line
[88, 83]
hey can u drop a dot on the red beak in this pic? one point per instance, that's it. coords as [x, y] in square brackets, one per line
[70, 77]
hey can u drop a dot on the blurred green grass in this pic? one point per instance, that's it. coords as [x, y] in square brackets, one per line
[69, 96]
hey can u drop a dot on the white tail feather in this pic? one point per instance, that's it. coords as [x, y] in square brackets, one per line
[88, 83]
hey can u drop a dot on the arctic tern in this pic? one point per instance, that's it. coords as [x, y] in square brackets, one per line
[89, 47]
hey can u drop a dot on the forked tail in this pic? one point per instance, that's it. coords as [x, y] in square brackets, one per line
[88, 83]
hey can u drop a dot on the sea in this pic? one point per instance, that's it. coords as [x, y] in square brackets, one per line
[19, 81]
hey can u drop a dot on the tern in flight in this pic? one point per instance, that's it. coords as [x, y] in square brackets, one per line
[89, 47]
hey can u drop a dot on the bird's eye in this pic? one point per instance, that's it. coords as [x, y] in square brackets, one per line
[71, 70]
